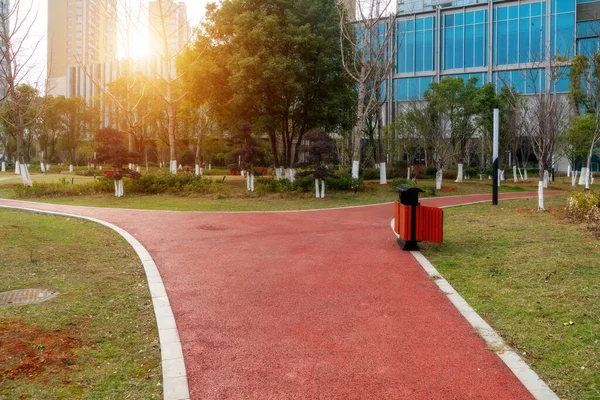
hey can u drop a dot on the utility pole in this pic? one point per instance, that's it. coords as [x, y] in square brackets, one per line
[495, 156]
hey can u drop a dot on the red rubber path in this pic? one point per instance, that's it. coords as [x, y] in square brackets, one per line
[310, 305]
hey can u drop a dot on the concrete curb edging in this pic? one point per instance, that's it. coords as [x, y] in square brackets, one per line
[532, 382]
[175, 383]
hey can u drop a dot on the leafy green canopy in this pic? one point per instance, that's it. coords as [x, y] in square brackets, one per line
[274, 64]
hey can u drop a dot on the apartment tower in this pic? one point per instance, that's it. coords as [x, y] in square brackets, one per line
[80, 32]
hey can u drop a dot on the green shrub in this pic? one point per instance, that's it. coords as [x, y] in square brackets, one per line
[168, 183]
[429, 190]
[304, 183]
[402, 181]
[344, 182]
[430, 171]
[369, 174]
[64, 188]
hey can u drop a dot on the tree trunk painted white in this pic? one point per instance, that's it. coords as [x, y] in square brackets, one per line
[201, 171]
[25, 175]
[355, 165]
[209, 167]
[99, 168]
[546, 178]
[197, 170]
[279, 173]
[173, 167]
[526, 177]
[252, 182]
[480, 177]
[137, 168]
[180, 167]
[569, 171]
[71, 168]
[130, 166]
[382, 174]
[521, 174]
[439, 174]
[515, 176]
[247, 182]
[317, 190]
[574, 178]
[377, 166]
[541, 196]
[588, 180]
[499, 177]
[583, 175]
[119, 192]
[408, 173]
[48, 167]
[17, 168]
[322, 188]
[3, 166]
[459, 176]
[591, 178]
[42, 167]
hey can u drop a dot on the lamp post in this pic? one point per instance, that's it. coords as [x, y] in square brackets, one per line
[495, 155]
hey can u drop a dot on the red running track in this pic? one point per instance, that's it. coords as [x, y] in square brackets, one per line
[310, 305]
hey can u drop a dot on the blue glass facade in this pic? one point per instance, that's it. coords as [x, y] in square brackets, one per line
[522, 43]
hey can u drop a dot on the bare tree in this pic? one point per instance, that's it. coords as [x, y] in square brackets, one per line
[164, 77]
[547, 117]
[370, 61]
[18, 66]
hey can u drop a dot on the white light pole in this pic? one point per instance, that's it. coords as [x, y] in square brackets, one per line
[495, 155]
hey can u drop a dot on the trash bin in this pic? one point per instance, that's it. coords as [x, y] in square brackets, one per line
[409, 195]
[414, 223]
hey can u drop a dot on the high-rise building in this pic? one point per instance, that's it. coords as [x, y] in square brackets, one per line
[168, 21]
[80, 32]
[520, 43]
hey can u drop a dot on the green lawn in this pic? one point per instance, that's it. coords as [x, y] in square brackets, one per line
[98, 338]
[529, 274]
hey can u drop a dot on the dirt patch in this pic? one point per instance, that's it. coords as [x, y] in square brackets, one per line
[27, 350]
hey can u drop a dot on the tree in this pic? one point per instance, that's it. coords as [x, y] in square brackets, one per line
[367, 59]
[403, 132]
[275, 65]
[319, 153]
[584, 98]
[50, 127]
[425, 119]
[513, 134]
[246, 152]
[458, 104]
[576, 141]
[76, 120]
[111, 148]
[17, 64]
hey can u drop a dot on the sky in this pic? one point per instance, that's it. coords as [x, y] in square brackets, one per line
[195, 15]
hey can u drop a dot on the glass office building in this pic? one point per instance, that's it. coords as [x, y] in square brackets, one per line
[520, 43]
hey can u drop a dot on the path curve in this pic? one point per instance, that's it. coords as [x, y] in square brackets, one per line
[310, 305]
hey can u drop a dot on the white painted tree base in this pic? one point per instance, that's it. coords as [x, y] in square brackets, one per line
[355, 166]
[439, 175]
[71, 168]
[17, 168]
[459, 175]
[173, 167]
[515, 177]
[3, 166]
[25, 175]
[382, 174]
[119, 188]
[541, 197]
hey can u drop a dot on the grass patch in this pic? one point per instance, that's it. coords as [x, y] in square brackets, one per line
[530, 274]
[98, 338]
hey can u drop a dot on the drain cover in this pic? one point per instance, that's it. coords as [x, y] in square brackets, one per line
[26, 296]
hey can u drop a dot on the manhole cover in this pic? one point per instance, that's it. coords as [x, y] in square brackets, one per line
[26, 296]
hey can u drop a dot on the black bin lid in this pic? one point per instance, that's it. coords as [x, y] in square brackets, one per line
[408, 189]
